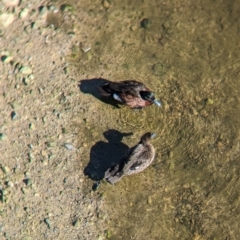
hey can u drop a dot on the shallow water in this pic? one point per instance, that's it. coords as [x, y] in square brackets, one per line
[189, 56]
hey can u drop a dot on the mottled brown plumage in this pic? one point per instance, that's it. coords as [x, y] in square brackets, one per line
[130, 92]
[135, 160]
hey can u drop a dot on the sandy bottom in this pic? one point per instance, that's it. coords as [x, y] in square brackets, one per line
[57, 136]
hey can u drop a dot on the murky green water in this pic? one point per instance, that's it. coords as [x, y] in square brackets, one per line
[189, 55]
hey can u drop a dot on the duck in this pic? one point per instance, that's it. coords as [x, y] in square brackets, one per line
[135, 160]
[129, 92]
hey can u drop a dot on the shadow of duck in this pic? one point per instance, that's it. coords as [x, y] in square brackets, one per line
[104, 155]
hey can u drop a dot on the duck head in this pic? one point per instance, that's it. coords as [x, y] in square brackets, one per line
[149, 96]
[146, 137]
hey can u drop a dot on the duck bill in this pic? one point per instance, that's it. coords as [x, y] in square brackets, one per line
[158, 103]
[153, 135]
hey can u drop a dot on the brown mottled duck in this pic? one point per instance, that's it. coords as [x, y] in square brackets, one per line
[135, 160]
[130, 92]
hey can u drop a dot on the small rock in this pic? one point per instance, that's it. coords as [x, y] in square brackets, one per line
[13, 115]
[96, 186]
[3, 136]
[47, 222]
[149, 200]
[25, 70]
[30, 146]
[171, 166]
[30, 157]
[6, 59]
[66, 8]
[170, 154]
[85, 48]
[43, 11]
[106, 4]
[146, 23]
[76, 223]
[209, 101]
[176, 219]
[94, 134]
[11, 3]
[6, 169]
[133, 28]
[10, 184]
[27, 29]
[27, 181]
[50, 144]
[188, 206]
[166, 25]
[68, 146]
[64, 131]
[53, 8]
[108, 234]
[35, 25]
[6, 19]
[25, 81]
[31, 77]
[51, 156]
[24, 190]
[44, 120]
[23, 14]
[186, 185]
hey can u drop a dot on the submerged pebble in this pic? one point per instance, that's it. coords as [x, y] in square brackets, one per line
[146, 23]
[25, 70]
[95, 186]
[6, 58]
[47, 222]
[6, 19]
[3, 136]
[10, 184]
[13, 115]
[28, 181]
[11, 3]
[68, 146]
[23, 14]
[106, 4]
[66, 8]
[209, 101]
[149, 200]
[6, 169]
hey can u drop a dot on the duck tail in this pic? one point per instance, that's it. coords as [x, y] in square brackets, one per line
[112, 175]
[107, 173]
[104, 91]
[114, 179]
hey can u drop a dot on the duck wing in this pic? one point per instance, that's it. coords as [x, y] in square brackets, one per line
[133, 157]
[132, 87]
[115, 173]
[126, 88]
[140, 159]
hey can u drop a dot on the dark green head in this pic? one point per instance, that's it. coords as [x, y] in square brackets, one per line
[149, 96]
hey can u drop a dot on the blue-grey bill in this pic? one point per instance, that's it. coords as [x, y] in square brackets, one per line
[153, 135]
[158, 103]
